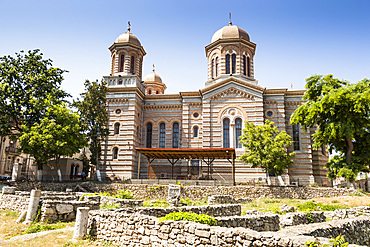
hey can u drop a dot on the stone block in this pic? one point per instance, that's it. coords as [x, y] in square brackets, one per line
[203, 234]
[9, 190]
[64, 208]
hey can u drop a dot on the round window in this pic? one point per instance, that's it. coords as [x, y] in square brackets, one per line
[195, 114]
[118, 111]
[269, 113]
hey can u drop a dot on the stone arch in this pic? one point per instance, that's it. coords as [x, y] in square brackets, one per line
[220, 113]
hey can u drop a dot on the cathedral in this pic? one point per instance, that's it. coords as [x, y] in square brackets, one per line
[142, 115]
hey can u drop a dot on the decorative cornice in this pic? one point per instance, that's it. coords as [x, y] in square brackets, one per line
[269, 102]
[126, 89]
[162, 107]
[190, 94]
[293, 103]
[275, 91]
[195, 104]
[295, 92]
[163, 96]
[231, 79]
[117, 100]
[232, 91]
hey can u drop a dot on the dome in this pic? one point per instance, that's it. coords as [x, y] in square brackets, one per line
[153, 77]
[230, 32]
[128, 37]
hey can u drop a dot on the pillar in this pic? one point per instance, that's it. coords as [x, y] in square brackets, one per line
[33, 206]
[82, 219]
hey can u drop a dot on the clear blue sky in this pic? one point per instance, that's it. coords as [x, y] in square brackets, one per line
[294, 38]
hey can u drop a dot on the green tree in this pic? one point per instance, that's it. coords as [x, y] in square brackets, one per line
[26, 80]
[94, 116]
[267, 148]
[341, 112]
[59, 133]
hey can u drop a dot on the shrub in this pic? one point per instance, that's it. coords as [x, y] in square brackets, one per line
[186, 216]
[124, 194]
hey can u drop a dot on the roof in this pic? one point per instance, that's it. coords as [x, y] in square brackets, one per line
[186, 153]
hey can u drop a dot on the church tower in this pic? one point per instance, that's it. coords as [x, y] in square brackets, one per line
[230, 53]
[125, 100]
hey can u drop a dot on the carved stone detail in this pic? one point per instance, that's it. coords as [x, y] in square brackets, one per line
[232, 91]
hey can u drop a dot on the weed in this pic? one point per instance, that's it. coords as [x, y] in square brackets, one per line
[272, 201]
[335, 201]
[356, 194]
[109, 205]
[41, 228]
[159, 203]
[10, 213]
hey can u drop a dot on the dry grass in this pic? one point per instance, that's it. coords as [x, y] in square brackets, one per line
[8, 226]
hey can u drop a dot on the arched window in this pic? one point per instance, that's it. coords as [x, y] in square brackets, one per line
[72, 171]
[212, 67]
[216, 69]
[122, 63]
[244, 66]
[116, 128]
[149, 135]
[132, 65]
[233, 63]
[76, 170]
[238, 132]
[226, 132]
[150, 92]
[175, 135]
[162, 135]
[296, 140]
[249, 66]
[115, 153]
[227, 64]
[157, 92]
[195, 131]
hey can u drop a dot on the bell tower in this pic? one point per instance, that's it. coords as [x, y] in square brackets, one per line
[125, 100]
[127, 55]
[231, 53]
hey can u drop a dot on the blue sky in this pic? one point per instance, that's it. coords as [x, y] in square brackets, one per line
[295, 39]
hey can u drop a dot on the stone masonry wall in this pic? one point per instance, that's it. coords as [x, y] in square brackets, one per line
[196, 192]
[63, 210]
[124, 228]
[14, 202]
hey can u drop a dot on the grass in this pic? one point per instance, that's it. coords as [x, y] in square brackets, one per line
[9, 228]
[326, 203]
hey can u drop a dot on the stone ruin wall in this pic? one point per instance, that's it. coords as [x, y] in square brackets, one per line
[195, 193]
[125, 228]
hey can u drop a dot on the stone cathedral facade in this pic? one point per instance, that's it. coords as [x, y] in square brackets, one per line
[141, 114]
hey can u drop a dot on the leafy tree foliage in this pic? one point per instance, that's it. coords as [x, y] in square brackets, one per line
[267, 148]
[26, 80]
[58, 133]
[341, 112]
[94, 116]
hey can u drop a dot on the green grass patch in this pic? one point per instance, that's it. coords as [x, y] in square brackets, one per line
[41, 228]
[187, 216]
[312, 206]
[9, 213]
[271, 201]
[121, 194]
[159, 203]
